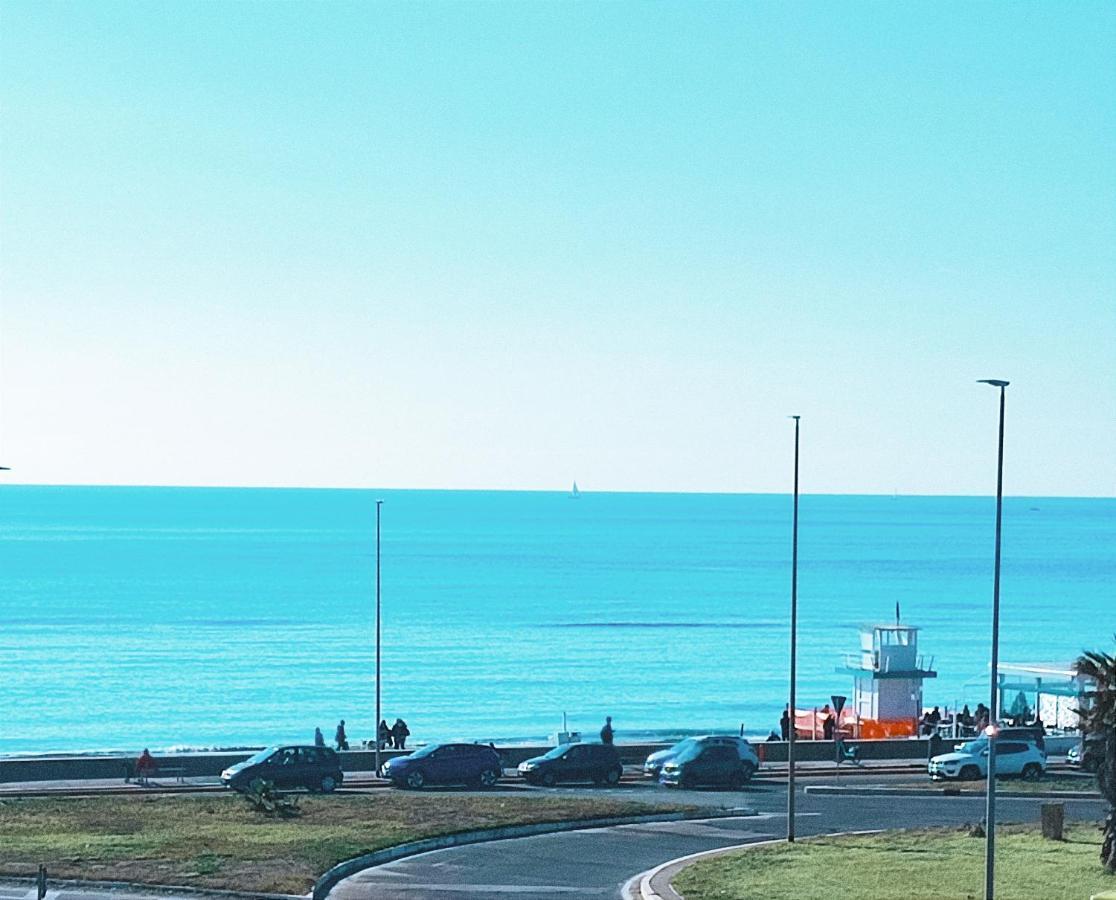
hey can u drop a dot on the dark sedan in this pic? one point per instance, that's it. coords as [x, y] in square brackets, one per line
[471, 764]
[313, 768]
[599, 763]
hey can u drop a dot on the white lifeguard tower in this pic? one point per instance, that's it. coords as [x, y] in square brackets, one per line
[887, 678]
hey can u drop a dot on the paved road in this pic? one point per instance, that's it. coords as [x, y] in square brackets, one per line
[596, 863]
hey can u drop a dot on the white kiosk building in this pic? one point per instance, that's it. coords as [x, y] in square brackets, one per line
[887, 679]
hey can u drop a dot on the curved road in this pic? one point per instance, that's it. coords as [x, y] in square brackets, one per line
[597, 862]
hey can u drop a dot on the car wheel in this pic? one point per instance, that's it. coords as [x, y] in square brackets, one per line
[416, 779]
[612, 776]
[1090, 765]
[685, 782]
[747, 771]
[489, 777]
[328, 784]
[969, 773]
[1032, 771]
[736, 781]
[547, 779]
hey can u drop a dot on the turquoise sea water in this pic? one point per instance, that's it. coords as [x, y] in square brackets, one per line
[213, 617]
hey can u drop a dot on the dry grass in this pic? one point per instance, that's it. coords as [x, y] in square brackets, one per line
[218, 841]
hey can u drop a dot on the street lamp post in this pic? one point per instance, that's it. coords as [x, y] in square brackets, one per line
[993, 704]
[793, 646]
[379, 503]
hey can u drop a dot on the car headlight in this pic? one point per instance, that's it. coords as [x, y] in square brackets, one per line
[527, 766]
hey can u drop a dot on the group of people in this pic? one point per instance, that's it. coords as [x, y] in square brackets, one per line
[390, 738]
[393, 738]
[931, 720]
[340, 738]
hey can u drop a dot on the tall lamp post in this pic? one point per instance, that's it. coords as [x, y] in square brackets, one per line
[793, 645]
[379, 503]
[993, 703]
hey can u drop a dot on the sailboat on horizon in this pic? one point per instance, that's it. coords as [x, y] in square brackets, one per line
[575, 494]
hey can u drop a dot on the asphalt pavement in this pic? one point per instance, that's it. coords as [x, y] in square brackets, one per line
[597, 862]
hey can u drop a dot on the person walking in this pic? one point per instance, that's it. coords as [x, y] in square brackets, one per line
[785, 723]
[319, 738]
[399, 733]
[383, 735]
[827, 723]
[606, 731]
[340, 738]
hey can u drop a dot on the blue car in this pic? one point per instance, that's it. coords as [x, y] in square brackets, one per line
[471, 764]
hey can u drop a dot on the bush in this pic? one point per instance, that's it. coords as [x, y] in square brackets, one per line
[262, 797]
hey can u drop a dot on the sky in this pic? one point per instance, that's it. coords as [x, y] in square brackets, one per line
[510, 245]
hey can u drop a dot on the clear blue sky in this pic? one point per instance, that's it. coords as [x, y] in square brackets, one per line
[507, 245]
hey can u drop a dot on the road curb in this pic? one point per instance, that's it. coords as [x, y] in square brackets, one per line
[655, 884]
[140, 887]
[947, 792]
[350, 867]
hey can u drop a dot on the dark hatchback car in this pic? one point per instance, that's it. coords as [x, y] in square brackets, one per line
[713, 765]
[599, 763]
[313, 768]
[473, 764]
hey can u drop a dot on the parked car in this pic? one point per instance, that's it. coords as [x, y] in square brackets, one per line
[1030, 733]
[716, 765]
[474, 764]
[971, 760]
[653, 767]
[313, 768]
[1087, 754]
[599, 763]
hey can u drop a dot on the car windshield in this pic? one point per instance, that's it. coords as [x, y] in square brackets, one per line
[973, 747]
[425, 751]
[682, 746]
[260, 757]
[556, 752]
[690, 752]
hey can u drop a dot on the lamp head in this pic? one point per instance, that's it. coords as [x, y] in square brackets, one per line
[796, 418]
[995, 382]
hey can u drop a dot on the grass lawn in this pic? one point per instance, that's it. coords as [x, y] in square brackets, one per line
[218, 841]
[933, 864]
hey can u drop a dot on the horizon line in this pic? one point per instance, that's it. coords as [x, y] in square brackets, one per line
[563, 491]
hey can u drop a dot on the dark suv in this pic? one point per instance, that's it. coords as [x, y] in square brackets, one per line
[313, 768]
[709, 764]
[445, 764]
[599, 763]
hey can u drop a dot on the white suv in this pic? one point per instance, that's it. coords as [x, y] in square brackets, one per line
[970, 761]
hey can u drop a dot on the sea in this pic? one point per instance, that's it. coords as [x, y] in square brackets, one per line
[176, 618]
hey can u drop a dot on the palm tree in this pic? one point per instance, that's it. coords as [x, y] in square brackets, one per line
[1099, 716]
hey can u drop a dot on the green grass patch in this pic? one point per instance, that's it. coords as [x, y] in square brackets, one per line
[216, 840]
[933, 864]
